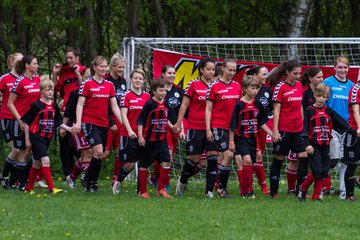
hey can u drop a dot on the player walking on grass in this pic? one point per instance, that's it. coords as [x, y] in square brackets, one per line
[152, 126]
[194, 101]
[221, 99]
[338, 100]
[311, 77]
[78, 139]
[352, 142]
[131, 105]
[24, 92]
[95, 96]
[173, 98]
[116, 76]
[40, 122]
[263, 96]
[7, 122]
[248, 115]
[319, 121]
[67, 77]
[288, 119]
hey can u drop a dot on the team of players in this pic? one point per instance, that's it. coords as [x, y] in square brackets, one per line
[224, 121]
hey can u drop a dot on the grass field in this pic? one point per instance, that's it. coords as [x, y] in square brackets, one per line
[79, 215]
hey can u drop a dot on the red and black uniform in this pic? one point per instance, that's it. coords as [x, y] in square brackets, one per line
[27, 91]
[318, 125]
[290, 118]
[134, 103]
[68, 82]
[42, 119]
[224, 97]
[7, 118]
[196, 141]
[113, 138]
[290, 126]
[153, 118]
[245, 122]
[95, 121]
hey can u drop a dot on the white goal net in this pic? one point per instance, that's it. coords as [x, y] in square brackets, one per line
[310, 51]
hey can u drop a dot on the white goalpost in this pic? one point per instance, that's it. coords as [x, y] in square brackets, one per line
[310, 51]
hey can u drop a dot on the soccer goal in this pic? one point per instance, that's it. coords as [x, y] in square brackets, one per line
[139, 52]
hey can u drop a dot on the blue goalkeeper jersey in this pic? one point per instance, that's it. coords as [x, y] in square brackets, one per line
[339, 95]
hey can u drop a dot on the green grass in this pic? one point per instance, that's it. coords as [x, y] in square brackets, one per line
[79, 215]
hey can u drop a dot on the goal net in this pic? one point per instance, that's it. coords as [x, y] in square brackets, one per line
[139, 52]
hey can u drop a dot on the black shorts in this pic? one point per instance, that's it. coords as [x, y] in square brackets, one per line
[221, 137]
[128, 149]
[95, 135]
[39, 146]
[289, 141]
[319, 161]
[7, 129]
[196, 142]
[351, 149]
[19, 136]
[154, 150]
[246, 146]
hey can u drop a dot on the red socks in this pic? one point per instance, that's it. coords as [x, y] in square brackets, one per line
[247, 179]
[258, 168]
[77, 169]
[34, 172]
[48, 178]
[307, 183]
[164, 178]
[118, 165]
[291, 178]
[317, 188]
[327, 182]
[143, 175]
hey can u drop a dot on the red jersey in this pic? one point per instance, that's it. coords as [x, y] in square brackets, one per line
[28, 91]
[134, 103]
[196, 91]
[247, 118]
[224, 97]
[354, 98]
[153, 118]
[6, 83]
[96, 107]
[68, 82]
[42, 118]
[290, 97]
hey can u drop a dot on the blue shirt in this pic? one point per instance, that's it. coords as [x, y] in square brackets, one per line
[339, 95]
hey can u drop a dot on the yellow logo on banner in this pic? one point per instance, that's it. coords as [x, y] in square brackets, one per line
[186, 70]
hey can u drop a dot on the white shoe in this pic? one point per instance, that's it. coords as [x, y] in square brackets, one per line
[180, 188]
[342, 195]
[41, 184]
[209, 195]
[116, 187]
[70, 182]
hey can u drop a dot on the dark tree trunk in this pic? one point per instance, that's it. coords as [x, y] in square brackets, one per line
[160, 18]
[133, 18]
